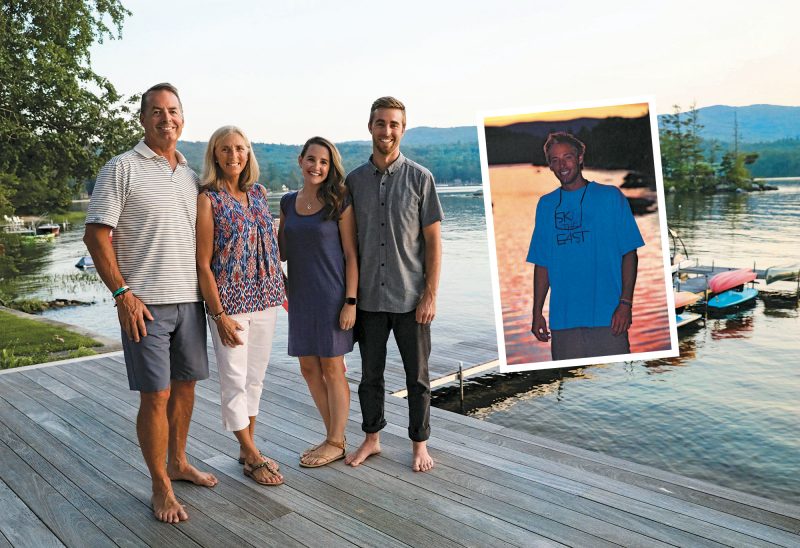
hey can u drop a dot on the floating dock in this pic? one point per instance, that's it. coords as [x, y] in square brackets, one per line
[702, 273]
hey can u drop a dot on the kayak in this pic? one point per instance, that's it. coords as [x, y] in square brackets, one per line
[787, 272]
[686, 318]
[730, 279]
[726, 299]
[685, 298]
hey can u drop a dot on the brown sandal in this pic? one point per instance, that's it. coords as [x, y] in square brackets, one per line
[249, 471]
[312, 449]
[272, 462]
[341, 445]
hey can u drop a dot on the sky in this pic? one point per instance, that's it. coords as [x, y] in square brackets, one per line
[284, 71]
[634, 110]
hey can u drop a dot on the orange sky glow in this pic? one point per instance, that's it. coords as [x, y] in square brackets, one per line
[624, 111]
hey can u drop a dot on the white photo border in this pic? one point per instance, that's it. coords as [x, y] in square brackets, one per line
[662, 218]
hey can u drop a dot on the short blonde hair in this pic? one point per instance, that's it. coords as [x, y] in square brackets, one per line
[212, 173]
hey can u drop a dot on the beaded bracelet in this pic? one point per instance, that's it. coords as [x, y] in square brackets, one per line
[122, 290]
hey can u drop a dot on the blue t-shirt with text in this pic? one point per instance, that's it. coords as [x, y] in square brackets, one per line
[580, 236]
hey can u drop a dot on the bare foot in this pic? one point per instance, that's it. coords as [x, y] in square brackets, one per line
[422, 461]
[371, 446]
[187, 472]
[166, 508]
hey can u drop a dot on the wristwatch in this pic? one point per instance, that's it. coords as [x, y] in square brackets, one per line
[350, 300]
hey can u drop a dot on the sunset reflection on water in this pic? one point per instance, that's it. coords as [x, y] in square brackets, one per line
[515, 191]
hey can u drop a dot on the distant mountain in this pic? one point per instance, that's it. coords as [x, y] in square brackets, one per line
[757, 123]
[450, 153]
[543, 129]
[425, 136]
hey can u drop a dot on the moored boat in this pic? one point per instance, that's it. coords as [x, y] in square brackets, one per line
[787, 272]
[730, 279]
[48, 228]
[682, 300]
[85, 262]
[686, 318]
[685, 298]
[732, 297]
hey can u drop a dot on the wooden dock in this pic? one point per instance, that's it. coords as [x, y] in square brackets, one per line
[477, 352]
[72, 475]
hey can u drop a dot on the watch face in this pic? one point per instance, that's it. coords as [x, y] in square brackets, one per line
[350, 300]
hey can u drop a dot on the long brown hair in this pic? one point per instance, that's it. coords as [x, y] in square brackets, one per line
[332, 191]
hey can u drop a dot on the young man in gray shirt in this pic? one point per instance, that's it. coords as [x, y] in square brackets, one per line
[398, 216]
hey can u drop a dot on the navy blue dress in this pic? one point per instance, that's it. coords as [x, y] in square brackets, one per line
[316, 287]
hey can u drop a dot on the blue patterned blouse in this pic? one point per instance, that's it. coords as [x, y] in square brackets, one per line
[245, 262]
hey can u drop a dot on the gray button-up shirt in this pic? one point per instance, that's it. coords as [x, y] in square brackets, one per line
[391, 210]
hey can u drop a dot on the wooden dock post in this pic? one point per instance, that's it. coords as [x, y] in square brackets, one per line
[461, 384]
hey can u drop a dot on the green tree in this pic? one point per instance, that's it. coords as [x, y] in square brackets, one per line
[682, 157]
[59, 121]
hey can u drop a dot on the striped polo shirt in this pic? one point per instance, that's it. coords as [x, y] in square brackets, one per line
[152, 210]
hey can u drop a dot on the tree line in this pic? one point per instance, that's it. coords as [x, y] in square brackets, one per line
[691, 164]
[59, 120]
[452, 163]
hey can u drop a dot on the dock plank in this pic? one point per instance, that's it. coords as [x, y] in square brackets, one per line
[621, 528]
[72, 425]
[110, 496]
[404, 456]
[55, 511]
[122, 463]
[19, 525]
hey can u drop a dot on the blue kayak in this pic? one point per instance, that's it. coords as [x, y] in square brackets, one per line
[730, 298]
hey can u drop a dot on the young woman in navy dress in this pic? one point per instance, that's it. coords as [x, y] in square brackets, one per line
[317, 238]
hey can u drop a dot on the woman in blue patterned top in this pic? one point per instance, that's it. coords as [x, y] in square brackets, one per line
[240, 277]
[318, 241]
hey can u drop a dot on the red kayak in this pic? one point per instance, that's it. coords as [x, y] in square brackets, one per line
[730, 279]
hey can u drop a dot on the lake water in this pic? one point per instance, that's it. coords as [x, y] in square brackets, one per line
[464, 290]
[728, 409]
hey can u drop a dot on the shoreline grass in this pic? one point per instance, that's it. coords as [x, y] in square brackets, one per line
[26, 342]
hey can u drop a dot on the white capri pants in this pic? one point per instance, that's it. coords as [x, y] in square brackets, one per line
[242, 368]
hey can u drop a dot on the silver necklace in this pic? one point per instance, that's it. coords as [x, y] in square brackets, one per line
[308, 205]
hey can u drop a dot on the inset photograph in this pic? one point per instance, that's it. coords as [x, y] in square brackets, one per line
[578, 236]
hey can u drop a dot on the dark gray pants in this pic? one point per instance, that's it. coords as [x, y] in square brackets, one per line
[414, 342]
[587, 342]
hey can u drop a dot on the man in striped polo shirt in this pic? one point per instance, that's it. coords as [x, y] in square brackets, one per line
[148, 196]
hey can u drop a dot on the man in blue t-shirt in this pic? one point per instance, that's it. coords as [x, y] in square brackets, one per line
[584, 248]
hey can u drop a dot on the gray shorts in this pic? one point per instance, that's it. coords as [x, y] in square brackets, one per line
[174, 348]
[587, 342]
